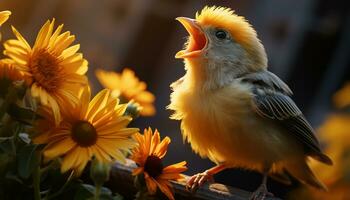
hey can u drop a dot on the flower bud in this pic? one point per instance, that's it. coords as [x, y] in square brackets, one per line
[99, 171]
[133, 110]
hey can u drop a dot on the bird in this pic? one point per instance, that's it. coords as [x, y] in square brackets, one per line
[236, 112]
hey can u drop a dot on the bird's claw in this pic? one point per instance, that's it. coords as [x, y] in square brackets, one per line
[198, 180]
[261, 193]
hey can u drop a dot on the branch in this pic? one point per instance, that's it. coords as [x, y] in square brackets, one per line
[122, 182]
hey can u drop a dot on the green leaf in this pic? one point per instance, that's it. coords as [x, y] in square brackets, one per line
[12, 176]
[87, 191]
[7, 161]
[28, 159]
[6, 145]
[24, 115]
[4, 85]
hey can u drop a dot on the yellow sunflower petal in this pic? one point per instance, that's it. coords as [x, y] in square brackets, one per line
[176, 168]
[55, 108]
[70, 51]
[125, 132]
[16, 45]
[42, 138]
[70, 159]
[42, 34]
[137, 171]
[162, 147]
[154, 142]
[163, 186]
[20, 38]
[61, 147]
[151, 184]
[170, 176]
[119, 123]
[55, 35]
[110, 80]
[85, 95]
[48, 34]
[97, 103]
[102, 154]
[19, 58]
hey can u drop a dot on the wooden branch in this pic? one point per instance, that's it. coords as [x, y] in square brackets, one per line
[123, 182]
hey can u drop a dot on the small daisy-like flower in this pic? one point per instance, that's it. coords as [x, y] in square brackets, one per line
[129, 87]
[148, 156]
[91, 128]
[55, 69]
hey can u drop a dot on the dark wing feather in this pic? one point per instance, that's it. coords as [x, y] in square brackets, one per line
[281, 108]
[271, 101]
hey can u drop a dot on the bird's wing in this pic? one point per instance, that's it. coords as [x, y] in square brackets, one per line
[269, 80]
[271, 101]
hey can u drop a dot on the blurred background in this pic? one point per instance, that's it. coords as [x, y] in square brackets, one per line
[307, 41]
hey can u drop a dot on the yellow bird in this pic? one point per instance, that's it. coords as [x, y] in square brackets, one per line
[233, 110]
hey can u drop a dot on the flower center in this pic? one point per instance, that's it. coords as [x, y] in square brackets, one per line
[45, 69]
[84, 133]
[153, 166]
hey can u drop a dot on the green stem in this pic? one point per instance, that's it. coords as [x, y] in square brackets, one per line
[97, 191]
[36, 182]
[61, 190]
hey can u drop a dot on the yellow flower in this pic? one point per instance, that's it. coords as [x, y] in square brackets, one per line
[91, 128]
[8, 71]
[148, 156]
[56, 71]
[342, 97]
[128, 86]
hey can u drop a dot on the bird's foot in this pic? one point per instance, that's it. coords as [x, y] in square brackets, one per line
[198, 180]
[261, 193]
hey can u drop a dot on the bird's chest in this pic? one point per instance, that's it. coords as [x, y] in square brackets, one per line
[213, 121]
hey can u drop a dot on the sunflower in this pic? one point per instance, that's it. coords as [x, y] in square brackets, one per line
[90, 128]
[129, 87]
[55, 69]
[148, 156]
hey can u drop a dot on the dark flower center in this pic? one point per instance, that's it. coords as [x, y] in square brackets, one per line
[46, 70]
[84, 133]
[153, 166]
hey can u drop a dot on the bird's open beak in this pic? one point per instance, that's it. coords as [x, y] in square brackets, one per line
[197, 40]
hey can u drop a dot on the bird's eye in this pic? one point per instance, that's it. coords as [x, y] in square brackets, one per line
[220, 34]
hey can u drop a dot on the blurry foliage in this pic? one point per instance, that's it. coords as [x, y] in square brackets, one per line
[335, 135]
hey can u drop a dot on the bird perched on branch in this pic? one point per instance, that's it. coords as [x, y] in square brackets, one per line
[233, 110]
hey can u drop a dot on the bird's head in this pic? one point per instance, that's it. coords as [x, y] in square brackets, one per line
[223, 38]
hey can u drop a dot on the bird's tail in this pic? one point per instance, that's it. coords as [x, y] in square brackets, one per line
[300, 170]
